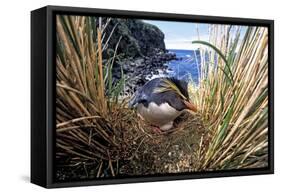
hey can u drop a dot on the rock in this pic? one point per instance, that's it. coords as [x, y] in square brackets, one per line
[139, 70]
[141, 51]
[138, 38]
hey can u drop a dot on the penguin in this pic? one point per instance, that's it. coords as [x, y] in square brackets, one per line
[161, 100]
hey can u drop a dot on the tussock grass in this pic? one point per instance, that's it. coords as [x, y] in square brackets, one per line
[96, 131]
[233, 98]
[90, 120]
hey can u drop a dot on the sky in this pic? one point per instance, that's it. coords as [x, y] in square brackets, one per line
[179, 35]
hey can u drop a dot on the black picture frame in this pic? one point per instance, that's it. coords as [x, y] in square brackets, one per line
[43, 93]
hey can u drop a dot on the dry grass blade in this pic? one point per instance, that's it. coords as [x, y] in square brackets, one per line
[85, 127]
[237, 114]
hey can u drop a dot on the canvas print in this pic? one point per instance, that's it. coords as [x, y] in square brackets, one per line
[138, 97]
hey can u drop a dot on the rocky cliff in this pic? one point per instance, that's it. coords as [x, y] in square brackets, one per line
[138, 38]
[141, 51]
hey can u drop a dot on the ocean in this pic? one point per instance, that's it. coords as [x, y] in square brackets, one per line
[187, 65]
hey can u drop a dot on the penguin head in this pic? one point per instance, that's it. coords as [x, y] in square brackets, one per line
[138, 97]
[183, 88]
[159, 90]
[180, 87]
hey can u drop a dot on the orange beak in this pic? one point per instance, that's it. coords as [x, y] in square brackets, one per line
[190, 106]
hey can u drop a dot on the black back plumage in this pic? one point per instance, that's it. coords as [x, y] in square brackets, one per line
[147, 94]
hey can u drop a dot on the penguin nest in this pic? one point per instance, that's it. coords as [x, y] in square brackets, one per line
[172, 152]
[139, 150]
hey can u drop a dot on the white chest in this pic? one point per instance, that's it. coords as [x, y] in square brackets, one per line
[158, 114]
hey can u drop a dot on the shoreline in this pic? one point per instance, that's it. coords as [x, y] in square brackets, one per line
[138, 71]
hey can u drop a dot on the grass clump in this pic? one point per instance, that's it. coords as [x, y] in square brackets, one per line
[233, 98]
[90, 118]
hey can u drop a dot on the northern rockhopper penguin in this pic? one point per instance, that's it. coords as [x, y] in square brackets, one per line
[161, 100]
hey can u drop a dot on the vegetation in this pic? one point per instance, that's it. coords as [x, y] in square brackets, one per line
[89, 119]
[96, 131]
[233, 98]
